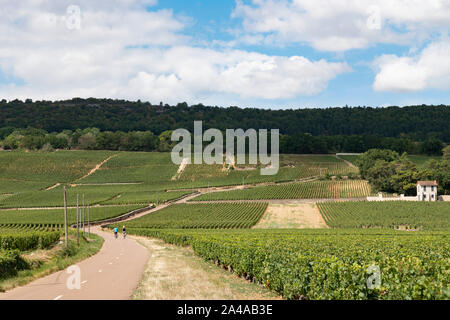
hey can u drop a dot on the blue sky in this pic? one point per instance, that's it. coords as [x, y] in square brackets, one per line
[249, 53]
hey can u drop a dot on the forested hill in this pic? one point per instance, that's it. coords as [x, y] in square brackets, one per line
[417, 122]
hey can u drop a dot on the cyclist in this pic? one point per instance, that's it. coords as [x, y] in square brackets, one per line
[115, 232]
[124, 231]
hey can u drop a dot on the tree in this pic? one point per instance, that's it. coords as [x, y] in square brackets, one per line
[446, 153]
[11, 142]
[367, 160]
[405, 177]
[379, 175]
[432, 147]
[87, 141]
[31, 142]
[165, 141]
[439, 171]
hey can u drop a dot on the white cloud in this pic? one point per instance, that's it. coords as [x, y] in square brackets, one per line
[428, 70]
[125, 51]
[332, 25]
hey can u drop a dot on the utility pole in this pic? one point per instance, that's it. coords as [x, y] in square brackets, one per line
[78, 223]
[65, 217]
[89, 220]
[84, 215]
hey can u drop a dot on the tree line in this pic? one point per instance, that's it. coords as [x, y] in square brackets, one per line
[95, 139]
[416, 123]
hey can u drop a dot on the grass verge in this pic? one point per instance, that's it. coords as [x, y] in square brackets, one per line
[46, 262]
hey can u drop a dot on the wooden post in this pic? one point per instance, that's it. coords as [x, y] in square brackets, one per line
[65, 217]
[78, 223]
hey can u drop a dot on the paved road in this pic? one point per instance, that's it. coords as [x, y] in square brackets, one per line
[111, 274]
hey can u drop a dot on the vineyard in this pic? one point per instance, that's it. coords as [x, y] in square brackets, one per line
[292, 167]
[15, 239]
[307, 263]
[102, 195]
[45, 169]
[326, 264]
[207, 216]
[56, 216]
[145, 197]
[132, 177]
[24, 239]
[410, 215]
[300, 190]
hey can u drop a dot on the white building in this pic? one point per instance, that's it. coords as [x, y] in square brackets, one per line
[427, 190]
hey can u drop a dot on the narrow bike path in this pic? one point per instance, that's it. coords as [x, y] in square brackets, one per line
[112, 274]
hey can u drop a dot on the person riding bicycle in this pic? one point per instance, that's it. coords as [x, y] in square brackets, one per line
[124, 231]
[115, 232]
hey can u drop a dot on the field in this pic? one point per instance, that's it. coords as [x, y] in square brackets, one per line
[103, 195]
[299, 190]
[15, 240]
[292, 167]
[392, 214]
[419, 160]
[331, 262]
[203, 216]
[131, 177]
[350, 158]
[46, 169]
[326, 264]
[56, 216]
[24, 239]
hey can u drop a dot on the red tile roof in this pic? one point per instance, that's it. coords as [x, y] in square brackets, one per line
[427, 183]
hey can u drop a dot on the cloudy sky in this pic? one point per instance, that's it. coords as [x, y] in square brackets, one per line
[257, 53]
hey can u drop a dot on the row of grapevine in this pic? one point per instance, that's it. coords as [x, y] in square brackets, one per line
[56, 216]
[390, 214]
[203, 216]
[301, 190]
[327, 265]
[24, 239]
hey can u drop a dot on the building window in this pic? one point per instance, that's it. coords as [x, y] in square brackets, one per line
[432, 188]
[424, 188]
[432, 196]
[424, 196]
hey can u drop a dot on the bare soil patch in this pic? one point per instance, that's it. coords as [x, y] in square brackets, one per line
[289, 215]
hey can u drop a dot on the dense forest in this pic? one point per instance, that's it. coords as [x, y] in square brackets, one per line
[414, 122]
[94, 124]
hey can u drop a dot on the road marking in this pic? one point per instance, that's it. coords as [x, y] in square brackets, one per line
[110, 263]
[100, 270]
[84, 282]
[58, 297]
